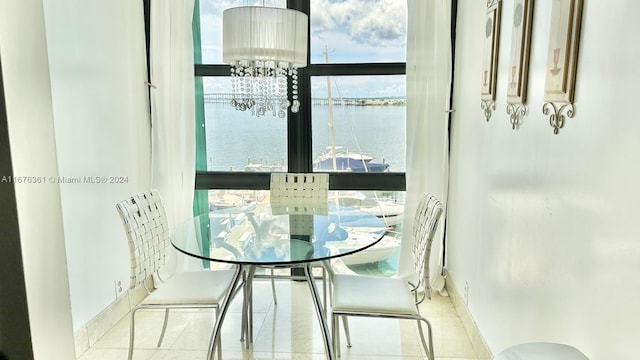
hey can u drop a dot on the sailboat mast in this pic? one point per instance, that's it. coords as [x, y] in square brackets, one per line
[330, 103]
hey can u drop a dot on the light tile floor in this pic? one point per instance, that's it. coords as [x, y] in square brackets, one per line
[288, 330]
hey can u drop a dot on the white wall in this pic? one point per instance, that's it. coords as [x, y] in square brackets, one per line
[543, 227]
[100, 108]
[31, 133]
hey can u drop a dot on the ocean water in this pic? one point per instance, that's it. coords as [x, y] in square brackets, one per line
[235, 138]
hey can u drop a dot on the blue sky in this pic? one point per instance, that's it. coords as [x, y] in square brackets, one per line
[351, 30]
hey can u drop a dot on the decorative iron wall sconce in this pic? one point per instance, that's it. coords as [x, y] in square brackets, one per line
[488, 106]
[562, 61]
[516, 114]
[557, 116]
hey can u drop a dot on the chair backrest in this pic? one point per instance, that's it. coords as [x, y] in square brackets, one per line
[425, 224]
[300, 192]
[145, 222]
[300, 195]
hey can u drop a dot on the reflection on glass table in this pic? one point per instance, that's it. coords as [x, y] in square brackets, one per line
[285, 236]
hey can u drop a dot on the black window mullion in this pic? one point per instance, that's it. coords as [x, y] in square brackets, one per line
[146, 8]
[299, 137]
[212, 70]
[337, 181]
[357, 69]
[206, 180]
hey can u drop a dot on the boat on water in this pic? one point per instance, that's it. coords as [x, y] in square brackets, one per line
[224, 199]
[389, 211]
[381, 251]
[276, 166]
[347, 161]
[334, 158]
[349, 230]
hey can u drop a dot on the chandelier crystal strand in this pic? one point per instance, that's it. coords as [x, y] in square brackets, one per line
[265, 47]
[259, 108]
[248, 83]
[283, 102]
[295, 106]
[273, 90]
[264, 90]
[234, 86]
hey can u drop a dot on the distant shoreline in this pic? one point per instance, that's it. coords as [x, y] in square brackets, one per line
[372, 102]
[225, 98]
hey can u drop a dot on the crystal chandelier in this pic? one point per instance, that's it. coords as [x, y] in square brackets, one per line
[264, 46]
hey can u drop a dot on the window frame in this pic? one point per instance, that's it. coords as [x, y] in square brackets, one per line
[299, 128]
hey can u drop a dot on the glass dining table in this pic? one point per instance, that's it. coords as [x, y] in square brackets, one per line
[277, 236]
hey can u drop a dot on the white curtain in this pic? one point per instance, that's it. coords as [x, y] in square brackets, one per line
[172, 107]
[428, 89]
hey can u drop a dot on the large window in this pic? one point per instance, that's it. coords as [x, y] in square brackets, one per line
[352, 117]
[351, 122]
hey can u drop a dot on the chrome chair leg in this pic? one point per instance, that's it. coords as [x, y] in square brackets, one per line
[335, 334]
[132, 332]
[218, 343]
[164, 326]
[317, 302]
[324, 289]
[273, 288]
[428, 350]
[243, 329]
[250, 317]
[247, 306]
[224, 306]
[347, 334]
[327, 278]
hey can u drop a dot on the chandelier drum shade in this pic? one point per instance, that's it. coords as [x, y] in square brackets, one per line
[264, 46]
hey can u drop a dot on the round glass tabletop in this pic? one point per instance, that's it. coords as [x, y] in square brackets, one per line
[277, 235]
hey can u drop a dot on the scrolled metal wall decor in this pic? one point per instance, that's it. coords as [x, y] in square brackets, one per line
[488, 106]
[557, 116]
[562, 62]
[516, 112]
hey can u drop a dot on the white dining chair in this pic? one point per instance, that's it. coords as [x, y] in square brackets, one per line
[310, 190]
[391, 297]
[541, 351]
[298, 194]
[145, 223]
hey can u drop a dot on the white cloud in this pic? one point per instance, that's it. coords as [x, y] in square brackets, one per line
[374, 22]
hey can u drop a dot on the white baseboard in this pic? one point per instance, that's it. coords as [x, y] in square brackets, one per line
[467, 320]
[91, 332]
